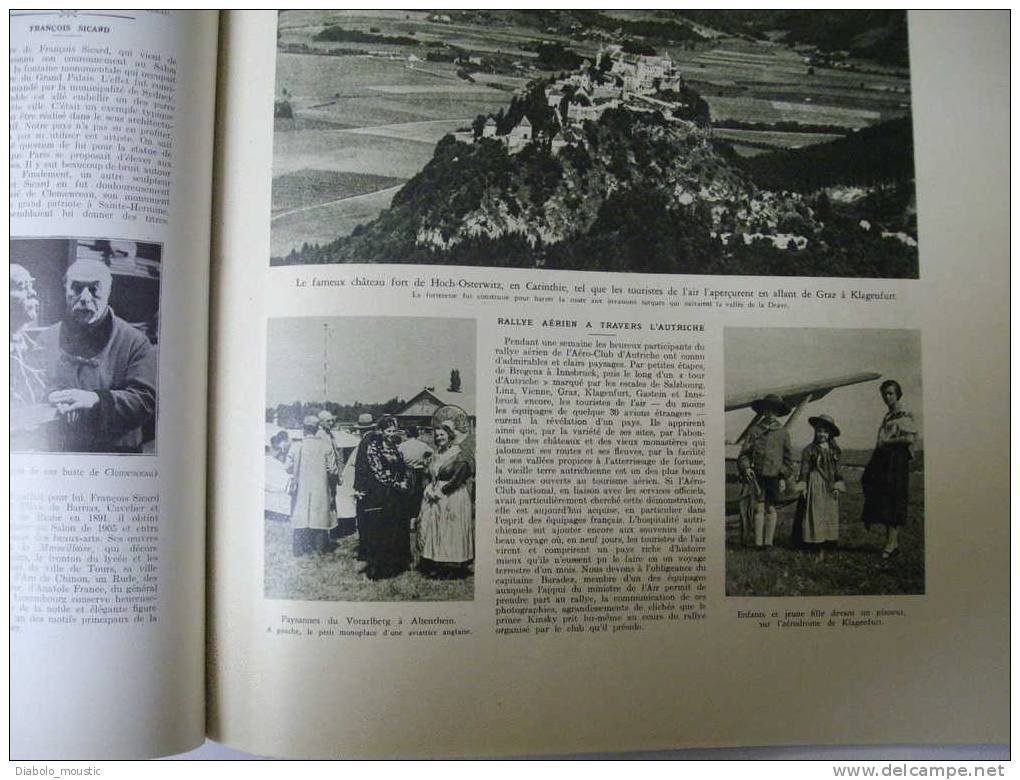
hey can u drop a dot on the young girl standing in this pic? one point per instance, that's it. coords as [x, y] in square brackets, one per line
[820, 485]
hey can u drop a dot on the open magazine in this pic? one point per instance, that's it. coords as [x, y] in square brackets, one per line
[470, 383]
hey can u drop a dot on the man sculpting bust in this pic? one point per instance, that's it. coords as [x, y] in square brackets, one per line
[101, 372]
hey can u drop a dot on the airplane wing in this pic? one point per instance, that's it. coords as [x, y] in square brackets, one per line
[794, 395]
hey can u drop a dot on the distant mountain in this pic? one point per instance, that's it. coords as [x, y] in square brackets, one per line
[869, 157]
[878, 35]
[666, 27]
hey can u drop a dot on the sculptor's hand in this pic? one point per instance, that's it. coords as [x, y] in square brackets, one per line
[71, 403]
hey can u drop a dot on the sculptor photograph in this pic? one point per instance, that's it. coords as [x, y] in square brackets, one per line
[750, 142]
[84, 339]
[824, 462]
[370, 459]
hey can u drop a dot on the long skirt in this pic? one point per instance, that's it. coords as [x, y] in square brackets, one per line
[886, 486]
[446, 529]
[817, 512]
[385, 535]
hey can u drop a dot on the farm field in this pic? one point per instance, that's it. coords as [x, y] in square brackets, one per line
[744, 150]
[357, 117]
[778, 140]
[855, 567]
[427, 132]
[339, 150]
[297, 191]
[323, 223]
[749, 109]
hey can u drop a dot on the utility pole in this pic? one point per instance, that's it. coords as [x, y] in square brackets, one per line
[325, 360]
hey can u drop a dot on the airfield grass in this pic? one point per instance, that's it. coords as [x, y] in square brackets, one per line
[854, 568]
[336, 576]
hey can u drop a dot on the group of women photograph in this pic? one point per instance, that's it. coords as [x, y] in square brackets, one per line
[409, 501]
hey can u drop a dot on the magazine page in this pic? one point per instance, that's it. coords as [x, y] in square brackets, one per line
[584, 382]
[111, 170]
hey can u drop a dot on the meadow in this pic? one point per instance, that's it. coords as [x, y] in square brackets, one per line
[336, 576]
[359, 121]
[854, 568]
[308, 187]
[773, 138]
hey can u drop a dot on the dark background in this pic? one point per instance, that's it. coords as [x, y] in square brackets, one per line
[136, 279]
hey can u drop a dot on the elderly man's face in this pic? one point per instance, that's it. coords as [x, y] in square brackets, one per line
[24, 301]
[88, 293]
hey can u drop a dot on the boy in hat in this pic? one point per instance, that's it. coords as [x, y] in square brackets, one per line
[765, 464]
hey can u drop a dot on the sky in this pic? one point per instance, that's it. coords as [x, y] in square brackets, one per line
[762, 358]
[369, 359]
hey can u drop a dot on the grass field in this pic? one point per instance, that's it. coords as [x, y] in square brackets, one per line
[336, 576]
[753, 109]
[854, 568]
[776, 139]
[323, 223]
[309, 187]
[749, 151]
[356, 119]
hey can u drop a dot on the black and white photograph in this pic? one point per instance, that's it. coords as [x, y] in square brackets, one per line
[370, 459]
[824, 462]
[84, 345]
[739, 142]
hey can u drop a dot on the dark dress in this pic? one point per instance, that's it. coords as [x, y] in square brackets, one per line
[886, 478]
[384, 510]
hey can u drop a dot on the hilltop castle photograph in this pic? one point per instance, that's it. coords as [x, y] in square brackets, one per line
[772, 143]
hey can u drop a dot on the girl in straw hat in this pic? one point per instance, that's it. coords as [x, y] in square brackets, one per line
[820, 485]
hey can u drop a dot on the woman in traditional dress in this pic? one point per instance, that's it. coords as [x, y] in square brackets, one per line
[820, 485]
[886, 479]
[312, 463]
[446, 529]
[382, 479]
